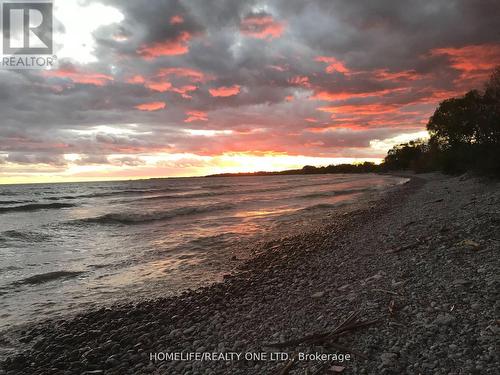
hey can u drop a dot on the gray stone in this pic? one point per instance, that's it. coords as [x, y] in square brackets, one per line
[388, 358]
[318, 295]
[444, 320]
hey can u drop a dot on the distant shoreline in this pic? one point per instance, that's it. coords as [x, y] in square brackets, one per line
[237, 174]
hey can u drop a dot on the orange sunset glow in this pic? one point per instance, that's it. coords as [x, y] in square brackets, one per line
[175, 89]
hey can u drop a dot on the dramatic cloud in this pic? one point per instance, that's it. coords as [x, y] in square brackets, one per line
[154, 87]
[262, 26]
[225, 91]
[475, 62]
[175, 46]
[193, 116]
[333, 65]
[153, 106]
[72, 74]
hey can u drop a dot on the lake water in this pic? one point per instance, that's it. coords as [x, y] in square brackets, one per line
[65, 247]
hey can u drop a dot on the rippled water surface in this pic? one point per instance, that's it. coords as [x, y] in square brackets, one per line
[64, 247]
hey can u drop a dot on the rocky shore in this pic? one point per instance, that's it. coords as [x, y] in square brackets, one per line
[421, 264]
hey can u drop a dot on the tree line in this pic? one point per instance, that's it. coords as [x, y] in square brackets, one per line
[464, 136]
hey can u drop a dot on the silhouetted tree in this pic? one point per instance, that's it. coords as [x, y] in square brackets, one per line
[456, 121]
[406, 156]
[464, 135]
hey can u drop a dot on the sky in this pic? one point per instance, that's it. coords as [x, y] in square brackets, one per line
[157, 88]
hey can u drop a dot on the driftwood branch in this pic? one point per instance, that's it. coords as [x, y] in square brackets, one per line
[387, 291]
[351, 323]
[348, 325]
[289, 365]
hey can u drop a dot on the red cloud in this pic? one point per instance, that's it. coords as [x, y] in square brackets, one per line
[279, 68]
[334, 65]
[137, 79]
[159, 86]
[406, 75]
[176, 20]
[196, 116]
[184, 90]
[161, 81]
[300, 81]
[172, 47]
[362, 109]
[86, 78]
[192, 74]
[343, 95]
[150, 107]
[474, 61]
[261, 26]
[225, 91]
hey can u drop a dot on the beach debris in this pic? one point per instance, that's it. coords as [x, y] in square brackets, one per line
[473, 245]
[351, 323]
[318, 295]
[435, 201]
[386, 291]
[379, 275]
[462, 282]
[289, 365]
[404, 247]
[343, 288]
[392, 307]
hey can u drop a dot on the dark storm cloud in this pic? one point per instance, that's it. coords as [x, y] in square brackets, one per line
[315, 78]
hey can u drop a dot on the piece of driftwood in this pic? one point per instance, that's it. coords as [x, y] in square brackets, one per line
[289, 365]
[387, 291]
[392, 307]
[404, 247]
[348, 325]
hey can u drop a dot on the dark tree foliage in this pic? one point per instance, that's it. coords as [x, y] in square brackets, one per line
[365, 167]
[464, 136]
[406, 155]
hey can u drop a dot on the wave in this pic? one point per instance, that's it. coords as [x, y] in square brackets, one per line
[139, 218]
[183, 196]
[61, 198]
[35, 207]
[334, 193]
[9, 268]
[220, 186]
[320, 206]
[15, 202]
[213, 240]
[46, 277]
[103, 194]
[27, 236]
[227, 193]
[325, 206]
